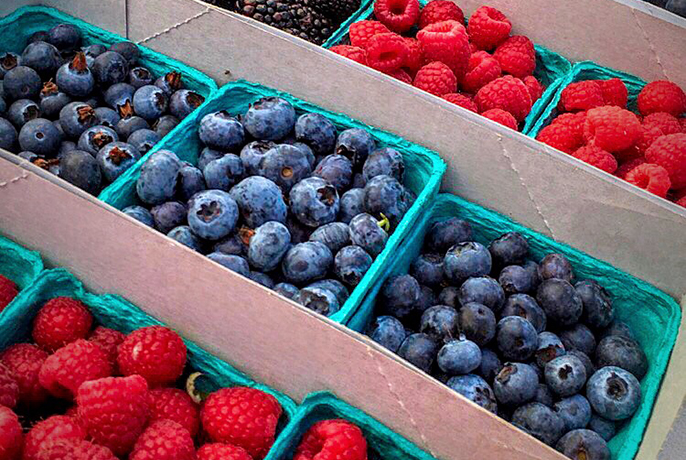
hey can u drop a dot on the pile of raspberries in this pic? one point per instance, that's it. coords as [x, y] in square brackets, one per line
[479, 67]
[648, 151]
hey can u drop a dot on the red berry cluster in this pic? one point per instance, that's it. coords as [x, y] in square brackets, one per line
[479, 67]
[648, 151]
[8, 291]
[121, 397]
[332, 439]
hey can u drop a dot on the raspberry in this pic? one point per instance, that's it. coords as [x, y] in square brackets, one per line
[653, 178]
[483, 68]
[612, 128]
[24, 362]
[164, 440]
[400, 74]
[156, 353]
[628, 154]
[534, 86]
[670, 152]
[9, 388]
[682, 121]
[436, 78]
[647, 137]
[488, 28]
[614, 92]
[337, 438]
[65, 370]
[55, 428]
[502, 117]
[245, 417]
[8, 291]
[397, 15]
[627, 166]
[10, 435]
[74, 449]
[681, 202]
[219, 451]
[175, 405]
[461, 100]
[446, 42]
[583, 95]
[662, 96]
[114, 411]
[360, 32]
[61, 321]
[351, 52]
[507, 93]
[517, 56]
[109, 340]
[595, 156]
[439, 11]
[415, 55]
[665, 122]
[560, 136]
[386, 52]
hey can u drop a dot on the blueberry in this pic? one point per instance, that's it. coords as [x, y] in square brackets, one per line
[623, 353]
[515, 279]
[306, 262]
[143, 140]
[41, 137]
[75, 78]
[28, 156]
[677, 7]
[252, 155]
[221, 131]
[93, 51]
[23, 111]
[449, 296]
[560, 302]
[579, 337]
[484, 290]
[366, 232]
[234, 263]
[565, 375]
[140, 214]
[76, 117]
[351, 263]
[618, 328]
[526, 307]
[128, 125]
[212, 214]
[399, 295]
[459, 357]
[208, 155]
[420, 350]
[232, 244]
[169, 83]
[515, 384]
[150, 103]
[95, 138]
[223, 173]
[128, 50]
[334, 286]
[315, 202]
[40, 36]
[384, 197]
[598, 310]
[441, 323]
[355, 144]
[286, 165]
[140, 76]
[490, 364]
[185, 236]
[65, 146]
[532, 268]
[336, 169]
[388, 332]
[465, 260]
[21, 82]
[428, 269]
[109, 68]
[316, 131]
[107, 117]
[477, 322]
[52, 100]
[115, 158]
[583, 445]
[270, 118]
[319, 300]
[427, 299]
[190, 181]
[583, 357]
[268, 246]
[605, 428]
[351, 204]
[3, 105]
[556, 266]
[287, 290]
[358, 181]
[119, 95]
[299, 232]
[80, 169]
[475, 389]
[516, 337]
[335, 236]
[549, 347]
[65, 37]
[158, 177]
[42, 57]
[544, 395]
[385, 161]
[8, 61]
[168, 216]
[574, 411]
[165, 124]
[259, 200]
[262, 279]
[539, 421]
[183, 102]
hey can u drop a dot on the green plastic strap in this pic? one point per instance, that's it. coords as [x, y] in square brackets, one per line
[18, 264]
[653, 316]
[382, 442]
[423, 168]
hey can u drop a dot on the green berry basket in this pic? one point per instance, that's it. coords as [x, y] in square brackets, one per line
[581, 71]
[653, 316]
[117, 313]
[423, 168]
[18, 264]
[550, 66]
[382, 442]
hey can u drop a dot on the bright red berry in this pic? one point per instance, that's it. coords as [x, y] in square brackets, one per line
[614, 92]
[74, 449]
[61, 321]
[114, 411]
[397, 15]
[483, 68]
[8, 291]
[400, 74]
[595, 156]
[681, 202]
[9, 388]
[517, 56]
[488, 28]
[361, 31]
[109, 340]
[11, 435]
[670, 152]
[651, 177]
[24, 362]
[612, 128]
[156, 353]
[220, 451]
[560, 136]
[55, 428]
[436, 78]
[502, 117]
[535, 88]
[439, 11]
[665, 122]
[415, 55]
[245, 417]
[662, 96]
[175, 405]
[386, 52]
[329, 439]
[682, 121]
[461, 100]
[164, 440]
[446, 42]
[507, 93]
[355, 53]
[627, 166]
[583, 95]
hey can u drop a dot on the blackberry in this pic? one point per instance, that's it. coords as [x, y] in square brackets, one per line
[338, 10]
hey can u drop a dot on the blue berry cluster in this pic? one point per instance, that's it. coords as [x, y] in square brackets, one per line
[521, 339]
[285, 200]
[677, 7]
[85, 113]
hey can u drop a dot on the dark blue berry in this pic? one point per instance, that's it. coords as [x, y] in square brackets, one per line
[40, 36]
[540, 422]
[234, 263]
[366, 232]
[449, 296]
[515, 279]
[677, 7]
[115, 158]
[358, 181]
[158, 177]
[232, 244]
[565, 375]
[428, 269]
[95, 138]
[221, 131]
[317, 132]
[183, 102]
[165, 124]
[109, 68]
[579, 337]
[459, 357]
[270, 118]
[440, 322]
[41, 137]
[598, 310]
[315, 202]
[399, 295]
[574, 411]
[605, 428]
[525, 306]
[168, 216]
[351, 263]
[583, 357]
[212, 214]
[169, 83]
[319, 300]
[388, 332]
[260, 201]
[351, 204]
[465, 260]
[490, 364]
[52, 100]
[65, 37]
[299, 232]
[556, 266]
[532, 268]
[119, 95]
[614, 393]
[22, 111]
[65, 146]
[286, 165]
[336, 169]
[128, 50]
[75, 78]
[190, 181]
[42, 57]
[515, 384]
[355, 144]
[560, 302]
[619, 328]
[484, 290]
[335, 236]
[140, 214]
[475, 389]
[516, 337]
[510, 249]
[544, 395]
[21, 82]
[252, 155]
[334, 286]
[419, 349]
[208, 155]
[149, 102]
[384, 197]
[128, 125]
[306, 262]
[622, 352]
[76, 117]
[268, 246]
[185, 236]
[583, 444]
[140, 76]
[107, 117]
[80, 169]
[287, 290]
[549, 347]
[93, 51]
[385, 161]
[427, 299]
[143, 140]
[262, 279]
[223, 173]
[477, 323]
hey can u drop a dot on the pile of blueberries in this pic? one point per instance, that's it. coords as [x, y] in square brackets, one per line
[283, 199]
[677, 7]
[515, 336]
[87, 113]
